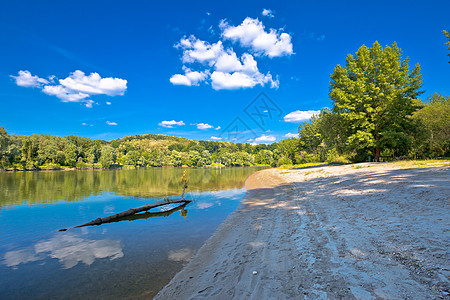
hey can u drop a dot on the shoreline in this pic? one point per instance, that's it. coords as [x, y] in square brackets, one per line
[122, 168]
[353, 231]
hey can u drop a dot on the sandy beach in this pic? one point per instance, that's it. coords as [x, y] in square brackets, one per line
[365, 231]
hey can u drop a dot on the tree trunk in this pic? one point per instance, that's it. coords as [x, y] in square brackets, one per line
[377, 155]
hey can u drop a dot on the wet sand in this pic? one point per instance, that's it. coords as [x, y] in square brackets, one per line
[362, 231]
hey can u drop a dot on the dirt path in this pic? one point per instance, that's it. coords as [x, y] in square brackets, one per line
[329, 233]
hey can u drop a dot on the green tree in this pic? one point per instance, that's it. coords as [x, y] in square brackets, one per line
[133, 158]
[71, 154]
[177, 159]
[309, 135]
[374, 94]
[195, 159]
[4, 143]
[447, 35]
[435, 117]
[108, 156]
[205, 157]
[264, 157]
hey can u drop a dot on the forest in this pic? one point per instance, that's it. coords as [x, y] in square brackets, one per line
[376, 115]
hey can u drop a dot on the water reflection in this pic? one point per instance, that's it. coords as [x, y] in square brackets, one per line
[68, 249]
[52, 186]
[184, 255]
[147, 215]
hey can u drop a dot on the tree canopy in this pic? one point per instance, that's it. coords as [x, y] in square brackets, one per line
[374, 95]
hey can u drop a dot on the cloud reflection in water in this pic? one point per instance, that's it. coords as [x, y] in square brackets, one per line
[68, 249]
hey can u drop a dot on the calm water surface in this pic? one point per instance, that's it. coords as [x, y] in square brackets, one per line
[133, 258]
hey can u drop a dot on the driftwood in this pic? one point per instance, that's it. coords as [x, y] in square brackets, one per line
[132, 211]
[148, 215]
[146, 207]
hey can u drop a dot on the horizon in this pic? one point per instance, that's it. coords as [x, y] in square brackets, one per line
[237, 72]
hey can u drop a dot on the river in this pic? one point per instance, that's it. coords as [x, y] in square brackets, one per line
[133, 258]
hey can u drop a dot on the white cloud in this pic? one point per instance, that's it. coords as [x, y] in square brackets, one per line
[86, 124]
[190, 78]
[228, 62]
[89, 103]
[215, 138]
[236, 80]
[222, 67]
[204, 126]
[77, 87]
[196, 50]
[25, 79]
[170, 124]
[64, 94]
[299, 116]
[291, 135]
[94, 84]
[108, 103]
[268, 13]
[217, 128]
[111, 123]
[266, 138]
[251, 33]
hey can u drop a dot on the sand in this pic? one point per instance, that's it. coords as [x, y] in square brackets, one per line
[366, 231]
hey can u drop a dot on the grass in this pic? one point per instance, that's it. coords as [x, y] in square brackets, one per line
[305, 165]
[414, 164]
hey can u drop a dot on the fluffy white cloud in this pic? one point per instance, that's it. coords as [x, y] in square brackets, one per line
[170, 124]
[299, 116]
[267, 13]
[93, 84]
[77, 87]
[215, 138]
[266, 138]
[204, 126]
[190, 78]
[196, 50]
[88, 103]
[228, 62]
[111, 123]
[221, 66]
[251, 33]
[25, 79]
[291, 135]
[236, 80]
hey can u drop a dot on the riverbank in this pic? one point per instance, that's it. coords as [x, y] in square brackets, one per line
[63, 168]
[354, 231]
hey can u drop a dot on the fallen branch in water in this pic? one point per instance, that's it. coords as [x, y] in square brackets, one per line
[130, 212]
[133, 211]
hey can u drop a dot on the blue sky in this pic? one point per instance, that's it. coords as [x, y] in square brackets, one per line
[107, 69]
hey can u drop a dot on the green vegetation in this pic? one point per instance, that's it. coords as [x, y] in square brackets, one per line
[447, 35]
[305, 165]
[53, 152]
[377, 114]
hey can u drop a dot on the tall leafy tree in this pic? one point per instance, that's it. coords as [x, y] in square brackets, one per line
[435, 118]
[374, 94]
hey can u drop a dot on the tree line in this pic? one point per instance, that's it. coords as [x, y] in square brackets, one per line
[41, 151]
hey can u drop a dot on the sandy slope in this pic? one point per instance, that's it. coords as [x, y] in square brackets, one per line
[329, 232]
